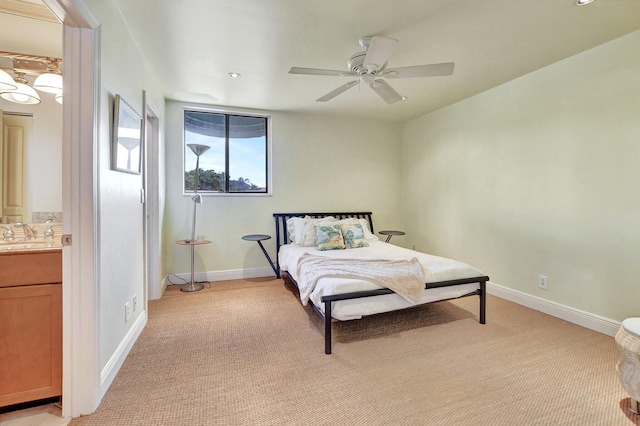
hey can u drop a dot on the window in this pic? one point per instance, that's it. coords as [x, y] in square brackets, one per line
[236, 161]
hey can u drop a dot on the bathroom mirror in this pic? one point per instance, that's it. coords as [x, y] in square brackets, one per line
[39, 196]
[31, 164]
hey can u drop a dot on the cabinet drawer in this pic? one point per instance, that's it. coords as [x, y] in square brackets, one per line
[30, 268]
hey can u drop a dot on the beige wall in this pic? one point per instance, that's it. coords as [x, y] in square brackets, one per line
[538, 176]
[120, 233]
[319, 164]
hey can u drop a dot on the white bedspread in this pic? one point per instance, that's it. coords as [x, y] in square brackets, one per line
[435, 269]
[405, 277]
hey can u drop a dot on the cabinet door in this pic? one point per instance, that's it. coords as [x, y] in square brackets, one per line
[30, 343]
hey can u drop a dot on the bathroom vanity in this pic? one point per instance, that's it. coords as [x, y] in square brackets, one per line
[30, 323]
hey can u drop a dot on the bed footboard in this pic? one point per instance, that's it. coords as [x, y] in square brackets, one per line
[329, 299]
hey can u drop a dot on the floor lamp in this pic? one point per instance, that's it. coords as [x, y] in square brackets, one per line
[198, 150]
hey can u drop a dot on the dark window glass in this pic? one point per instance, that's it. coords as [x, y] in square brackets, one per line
[236, 160]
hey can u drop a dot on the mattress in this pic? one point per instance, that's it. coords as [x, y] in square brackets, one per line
[435, 269]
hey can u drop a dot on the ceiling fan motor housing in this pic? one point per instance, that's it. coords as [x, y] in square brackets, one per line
[356, 64]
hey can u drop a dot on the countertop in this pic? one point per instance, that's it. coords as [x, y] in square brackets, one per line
[35, 246]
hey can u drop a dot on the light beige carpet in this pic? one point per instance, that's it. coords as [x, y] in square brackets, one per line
[247, 353]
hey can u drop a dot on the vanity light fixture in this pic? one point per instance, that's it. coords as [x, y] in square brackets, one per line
[50, 81]
[6, 81]
[23, 94]
[48, 78]
[583, 2]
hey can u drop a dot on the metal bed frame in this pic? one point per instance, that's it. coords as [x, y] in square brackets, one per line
[282, 237]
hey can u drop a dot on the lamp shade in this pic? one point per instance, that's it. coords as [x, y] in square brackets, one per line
[198, 149]
[49, 82]
[22, 95]
[6, 81]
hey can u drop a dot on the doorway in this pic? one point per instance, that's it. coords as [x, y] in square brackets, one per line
[14, 181]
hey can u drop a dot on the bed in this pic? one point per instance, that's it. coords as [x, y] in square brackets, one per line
[368, 276]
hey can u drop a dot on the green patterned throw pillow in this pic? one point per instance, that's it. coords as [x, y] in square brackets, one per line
[329, 237]
[353, 235]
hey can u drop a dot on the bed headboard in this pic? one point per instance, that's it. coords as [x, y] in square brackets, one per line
[282, 237]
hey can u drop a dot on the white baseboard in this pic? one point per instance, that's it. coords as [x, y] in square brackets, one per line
[232, 274]
[576, 316]
[112, 367]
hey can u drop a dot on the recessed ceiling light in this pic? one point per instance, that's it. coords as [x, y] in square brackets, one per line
[583, 2]
[235, 75]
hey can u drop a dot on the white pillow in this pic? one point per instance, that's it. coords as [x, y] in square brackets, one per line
[295, 228]
[308, 230]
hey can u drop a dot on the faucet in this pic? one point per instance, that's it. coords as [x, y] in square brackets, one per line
[7, 235]
[49, 233]
[28, 230]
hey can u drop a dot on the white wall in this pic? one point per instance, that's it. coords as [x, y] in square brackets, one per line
[319, 164]
[538, 176]
[35, 37]
[120, 235]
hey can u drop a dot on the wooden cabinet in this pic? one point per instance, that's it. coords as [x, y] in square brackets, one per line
[30, 326]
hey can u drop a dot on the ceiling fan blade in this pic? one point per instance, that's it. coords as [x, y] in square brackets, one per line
[319, 71]
[386, 92]
[432, 70]
[337, 91]
[379, 50]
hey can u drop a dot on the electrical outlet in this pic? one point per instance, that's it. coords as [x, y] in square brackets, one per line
[542, 282]
[135, 303]
[127, 312]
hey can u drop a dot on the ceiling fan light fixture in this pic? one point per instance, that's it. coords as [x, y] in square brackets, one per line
[23, 94]
[583, 2]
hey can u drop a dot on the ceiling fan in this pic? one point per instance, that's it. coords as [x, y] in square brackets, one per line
[371, 64]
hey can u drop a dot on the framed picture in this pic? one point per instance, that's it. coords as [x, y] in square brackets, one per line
[127, 133]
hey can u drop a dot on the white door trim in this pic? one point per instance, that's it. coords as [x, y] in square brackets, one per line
[153, 225]
[81, 367]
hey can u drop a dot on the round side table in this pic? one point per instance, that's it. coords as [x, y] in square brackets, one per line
[259, 238]
[192, 286]
[390, 234]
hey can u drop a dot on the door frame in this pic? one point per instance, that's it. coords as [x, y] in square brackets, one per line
[152, 216]
[80, 299]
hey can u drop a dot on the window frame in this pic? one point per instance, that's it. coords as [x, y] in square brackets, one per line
[268, 150]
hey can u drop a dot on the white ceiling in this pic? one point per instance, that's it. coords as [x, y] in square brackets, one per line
[193, 44]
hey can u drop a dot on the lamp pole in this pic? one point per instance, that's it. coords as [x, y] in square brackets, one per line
[198, 150]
